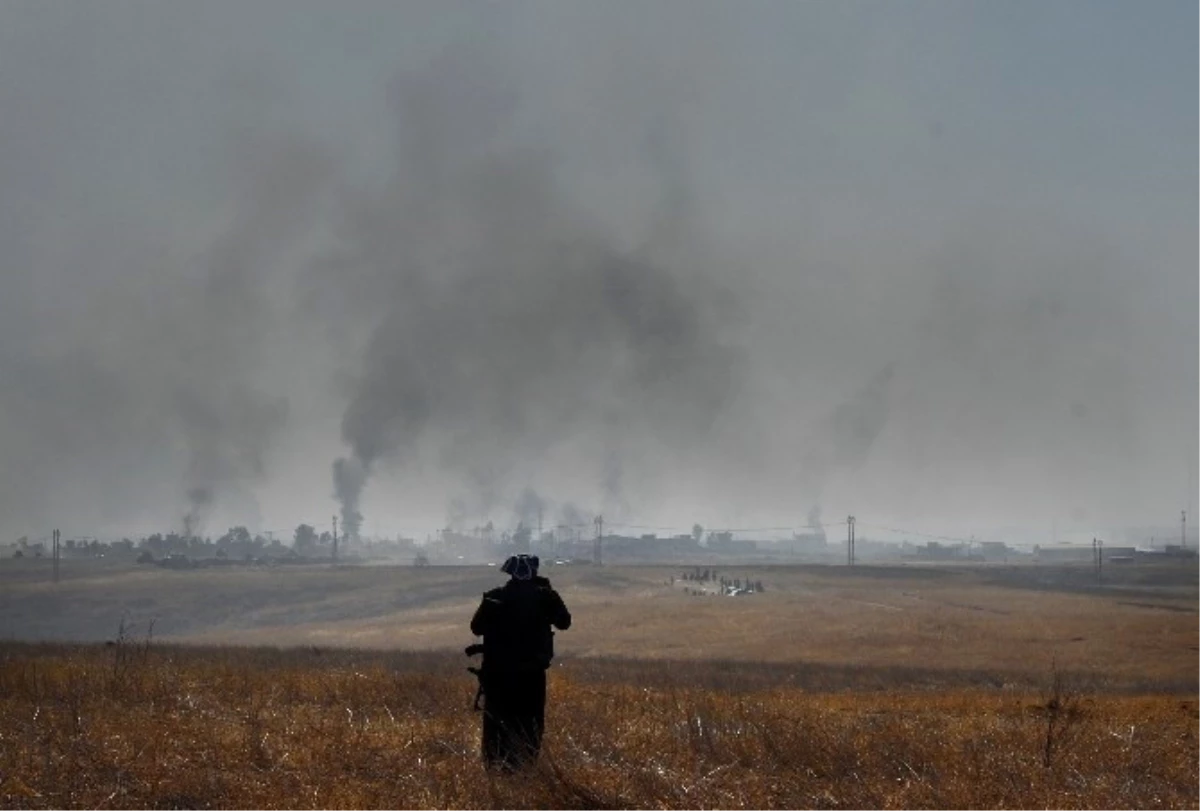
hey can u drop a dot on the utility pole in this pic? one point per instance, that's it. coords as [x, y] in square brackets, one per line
[599, 534]
[850, 540]
[335, 539]
[55, 547]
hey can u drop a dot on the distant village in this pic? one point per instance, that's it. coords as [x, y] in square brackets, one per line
[569, 546]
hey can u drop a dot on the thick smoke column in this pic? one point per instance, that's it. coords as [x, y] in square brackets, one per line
[512, 323]
[522, 286]
[153, 365]
[349, 476]
[814, 519]
[530, 507]
[226, 419]
[199, 499]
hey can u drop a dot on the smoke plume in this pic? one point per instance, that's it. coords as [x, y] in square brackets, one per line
[700, 261]
[349, 476]
[511, 323]
[530, 508]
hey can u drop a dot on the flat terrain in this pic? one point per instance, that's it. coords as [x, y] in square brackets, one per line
[871, 687]
[131, 726]
[981, 625]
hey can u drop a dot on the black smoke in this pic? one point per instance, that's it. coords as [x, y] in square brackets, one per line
[508, 322]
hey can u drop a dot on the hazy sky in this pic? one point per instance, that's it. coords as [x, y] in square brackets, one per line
[934, 264]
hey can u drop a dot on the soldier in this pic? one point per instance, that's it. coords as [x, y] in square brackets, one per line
[518, 643]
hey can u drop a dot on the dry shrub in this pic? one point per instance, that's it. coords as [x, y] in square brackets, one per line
[236, 728]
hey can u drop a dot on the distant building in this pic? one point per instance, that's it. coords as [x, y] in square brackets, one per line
[935, 550]
[456, 545]
[680, 544]
[1063, 554]
[1118, 554]
[724, 543]
[808, 542]
[719, 539]
[994, 550]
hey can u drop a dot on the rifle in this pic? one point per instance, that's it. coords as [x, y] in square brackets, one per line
[471, 650]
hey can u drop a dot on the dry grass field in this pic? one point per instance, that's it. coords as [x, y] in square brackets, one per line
[864, 688]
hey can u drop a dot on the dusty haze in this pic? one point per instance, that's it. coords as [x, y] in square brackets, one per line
[739, 264]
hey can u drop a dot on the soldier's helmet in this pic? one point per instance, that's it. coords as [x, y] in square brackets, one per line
[521, 567]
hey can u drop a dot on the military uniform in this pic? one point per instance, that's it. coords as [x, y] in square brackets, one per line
[518, 643]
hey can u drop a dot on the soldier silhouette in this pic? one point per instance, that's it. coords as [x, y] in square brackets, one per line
[515, 621]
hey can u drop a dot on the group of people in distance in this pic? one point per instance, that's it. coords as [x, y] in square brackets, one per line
[517, 622]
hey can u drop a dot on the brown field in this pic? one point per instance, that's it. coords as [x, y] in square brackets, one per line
[863, 688]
